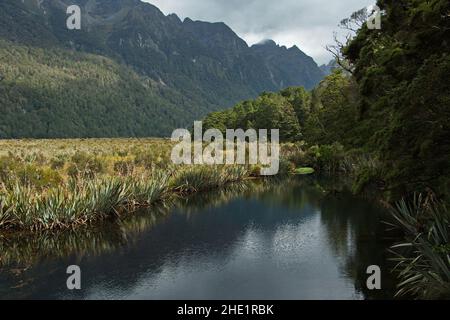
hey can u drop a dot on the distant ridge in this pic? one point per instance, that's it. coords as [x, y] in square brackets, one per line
[189, 67]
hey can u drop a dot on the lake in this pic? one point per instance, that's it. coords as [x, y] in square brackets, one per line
[289, 239]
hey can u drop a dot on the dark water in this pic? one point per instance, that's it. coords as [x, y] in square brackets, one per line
[286, 240]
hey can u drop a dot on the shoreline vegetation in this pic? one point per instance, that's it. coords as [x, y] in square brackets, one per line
[60, 187]
[63, 184]
[54, 186]
[23, 249]
[423, 258]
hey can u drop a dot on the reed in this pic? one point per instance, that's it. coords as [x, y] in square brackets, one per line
[149, 189]
[76, 203]
[203, 178]
[423, 260]
[83, 201]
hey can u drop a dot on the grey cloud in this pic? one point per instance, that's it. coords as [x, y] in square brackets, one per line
[309, 24]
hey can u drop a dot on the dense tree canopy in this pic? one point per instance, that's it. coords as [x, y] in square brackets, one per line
[268, 111]
[60, 93]
[402, 74]
[393, 103]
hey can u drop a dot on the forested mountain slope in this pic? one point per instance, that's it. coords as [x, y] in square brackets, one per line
[60, 93]
[194, 67]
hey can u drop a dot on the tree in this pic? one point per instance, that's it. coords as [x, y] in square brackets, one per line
[402, 72]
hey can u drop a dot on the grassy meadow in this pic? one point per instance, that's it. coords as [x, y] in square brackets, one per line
[60, 184]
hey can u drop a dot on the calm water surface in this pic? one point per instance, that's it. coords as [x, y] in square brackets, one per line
[285, 240]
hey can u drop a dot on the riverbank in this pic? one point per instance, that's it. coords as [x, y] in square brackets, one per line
[64, 184]
[57, 185]
[421, 220]
[262, 238]
[84, 201]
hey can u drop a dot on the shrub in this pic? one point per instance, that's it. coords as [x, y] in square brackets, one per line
[12, 171]
[124, 167]
[146, 159]
[7, 166]
[38, 177]
[86, 166]
[57, 163]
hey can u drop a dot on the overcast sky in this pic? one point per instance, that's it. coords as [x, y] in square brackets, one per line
[309, 24]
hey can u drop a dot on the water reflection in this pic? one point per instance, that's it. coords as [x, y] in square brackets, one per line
[259, 240]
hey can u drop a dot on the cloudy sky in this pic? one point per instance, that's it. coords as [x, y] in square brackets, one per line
[309, 24]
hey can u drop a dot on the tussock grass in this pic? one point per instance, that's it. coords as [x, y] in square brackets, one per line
[84, 201]
[423, 259]
[75, 204]
[63, 184]
[194, 179]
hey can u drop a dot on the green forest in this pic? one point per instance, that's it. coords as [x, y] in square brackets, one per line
[390, 102]
[54, 92]
[139, 73]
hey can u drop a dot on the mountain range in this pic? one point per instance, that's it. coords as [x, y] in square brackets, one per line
[328, 68]
[129, 71]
